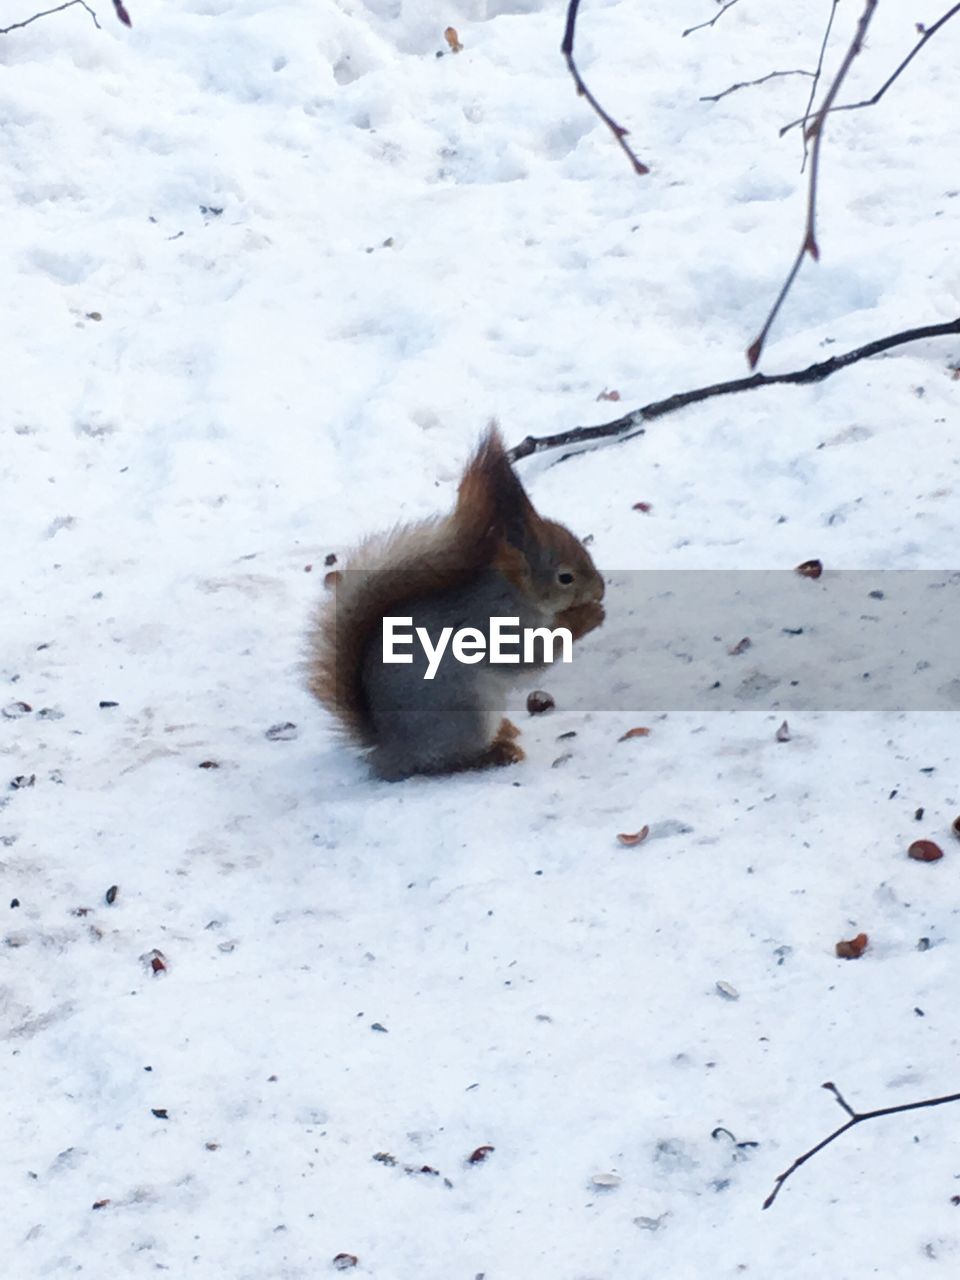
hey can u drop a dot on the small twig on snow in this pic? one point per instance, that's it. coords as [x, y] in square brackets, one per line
[618, 131]
[121, 13]
[928, 32]
[716, 18]
[815, 134]
[816, 80]
[631, 424]
[748, 84]
[856, 1117]
[46, 14]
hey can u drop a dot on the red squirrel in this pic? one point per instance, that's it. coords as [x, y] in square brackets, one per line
[492, 557]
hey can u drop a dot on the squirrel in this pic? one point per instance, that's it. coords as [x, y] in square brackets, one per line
[492, 556]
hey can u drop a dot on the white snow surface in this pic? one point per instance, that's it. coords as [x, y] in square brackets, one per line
[268, 270]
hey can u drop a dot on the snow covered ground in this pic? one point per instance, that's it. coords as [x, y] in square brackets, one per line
[268, 270]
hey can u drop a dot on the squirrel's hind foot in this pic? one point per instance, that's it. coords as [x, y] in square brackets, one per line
[504, 749]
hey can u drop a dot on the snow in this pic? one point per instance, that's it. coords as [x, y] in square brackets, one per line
[270, 268]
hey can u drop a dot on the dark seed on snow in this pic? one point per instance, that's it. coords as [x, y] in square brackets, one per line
[281, 732]
[810, 569]
[925, 851]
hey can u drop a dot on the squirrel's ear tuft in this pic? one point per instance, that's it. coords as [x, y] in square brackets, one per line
[491, 496]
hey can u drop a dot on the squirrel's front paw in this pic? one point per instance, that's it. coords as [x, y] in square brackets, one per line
[580, 619]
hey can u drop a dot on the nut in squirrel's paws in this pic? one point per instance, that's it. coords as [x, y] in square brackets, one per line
[580, 619]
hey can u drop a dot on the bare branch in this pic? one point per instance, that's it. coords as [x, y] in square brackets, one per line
[618, 131]
[748, 84]
[816, 79]
[728, 5]
[856, 1117]
[753, 351]
[47, 12]
[928, 32]
[815, 134]
[841, 1100]
[631, 424]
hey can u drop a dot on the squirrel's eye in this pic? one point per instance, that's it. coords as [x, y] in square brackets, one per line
[565, 577]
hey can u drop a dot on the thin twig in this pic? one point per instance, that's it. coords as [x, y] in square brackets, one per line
[828, 1084]
[815, 134]
[700, 27]
[928, 32]
[631, 424]
[46, 13]
[856, 1117]
[618, 131]
[816, 79]
[748, 84]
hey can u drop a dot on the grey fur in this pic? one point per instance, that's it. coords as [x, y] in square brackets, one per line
[427, 726]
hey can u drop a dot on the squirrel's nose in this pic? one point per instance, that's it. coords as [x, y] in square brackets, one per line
[601, 587]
